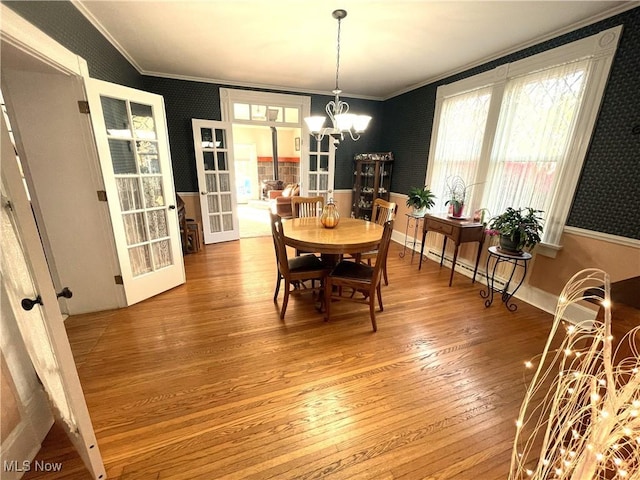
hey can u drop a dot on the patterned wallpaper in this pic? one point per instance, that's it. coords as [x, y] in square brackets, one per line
[183, 101]
[607, 197]
[64, 23]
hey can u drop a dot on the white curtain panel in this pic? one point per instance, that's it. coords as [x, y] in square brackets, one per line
[535, 127]
[461, 133]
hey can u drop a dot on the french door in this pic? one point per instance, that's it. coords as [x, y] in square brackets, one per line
[213, 145]
[317, 159]
[319, 168]
[131, 136]
[27, 282]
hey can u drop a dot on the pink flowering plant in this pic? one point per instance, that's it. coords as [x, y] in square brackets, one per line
[523, 226]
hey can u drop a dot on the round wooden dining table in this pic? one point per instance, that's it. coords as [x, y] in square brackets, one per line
[351, 235]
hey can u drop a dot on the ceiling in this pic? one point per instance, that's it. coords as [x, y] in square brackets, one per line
[387, 46]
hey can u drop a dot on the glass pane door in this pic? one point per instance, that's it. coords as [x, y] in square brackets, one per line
[133, 146]
[132, 143]
[213, 145]
[319, 171]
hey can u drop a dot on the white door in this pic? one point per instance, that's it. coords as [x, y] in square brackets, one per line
[318, 171]
[131, 136]
[32, 298]
[213, 144]
[26, 414]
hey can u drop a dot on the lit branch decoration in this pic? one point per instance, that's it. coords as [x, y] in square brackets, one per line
[580, 419]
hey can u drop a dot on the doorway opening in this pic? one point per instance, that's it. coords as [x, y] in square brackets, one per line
[257, 118]
[265, 159]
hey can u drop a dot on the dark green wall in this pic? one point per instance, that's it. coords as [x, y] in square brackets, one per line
[607, 197]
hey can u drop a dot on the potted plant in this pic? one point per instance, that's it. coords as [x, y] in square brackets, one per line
[518, 228]
[457, 191]
[421, 199]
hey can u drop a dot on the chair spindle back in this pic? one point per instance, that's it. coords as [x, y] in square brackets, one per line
[306, 206]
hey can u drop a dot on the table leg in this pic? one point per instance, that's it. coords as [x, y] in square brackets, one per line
[488, 295]
[505, 290]
[415, 236]
[453, 265]
[424, 236]
[513, 307]
[444, 247]
[475, 270]
[331, 259]
[406, 234]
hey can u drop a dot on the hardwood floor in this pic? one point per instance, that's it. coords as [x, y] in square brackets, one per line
[205, 381]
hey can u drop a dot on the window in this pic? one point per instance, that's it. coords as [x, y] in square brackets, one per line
[263, 113]
[519, 133]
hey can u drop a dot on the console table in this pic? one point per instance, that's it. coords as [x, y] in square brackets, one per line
[457, 230]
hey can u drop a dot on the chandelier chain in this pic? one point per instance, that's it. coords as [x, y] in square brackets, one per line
[342, 121]
[338, 54]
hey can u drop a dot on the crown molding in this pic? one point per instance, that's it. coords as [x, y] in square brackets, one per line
[530, 43]
[105, 33]
[275, 88]
[79, 4]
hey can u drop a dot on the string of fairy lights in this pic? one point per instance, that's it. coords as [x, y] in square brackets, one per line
[580, 419]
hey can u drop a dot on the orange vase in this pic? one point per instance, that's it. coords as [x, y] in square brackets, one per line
[330, 216]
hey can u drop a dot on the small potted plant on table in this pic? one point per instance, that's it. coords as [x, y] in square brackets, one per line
[518, 228]
[421, 199]
[457, 191]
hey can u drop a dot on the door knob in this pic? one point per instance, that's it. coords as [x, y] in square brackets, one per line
[28, 304]
[203, 193]
[65, 292]
[172, 207]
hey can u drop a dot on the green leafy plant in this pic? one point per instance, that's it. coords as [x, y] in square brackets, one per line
[522, 226]
[420, 198]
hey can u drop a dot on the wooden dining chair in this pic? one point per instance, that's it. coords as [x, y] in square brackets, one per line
[382, 212]
[296, 271]
[306, 206]
[359, 277]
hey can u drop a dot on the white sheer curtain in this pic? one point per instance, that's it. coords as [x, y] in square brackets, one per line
[520, 131]
[536, 123]
[463, 119]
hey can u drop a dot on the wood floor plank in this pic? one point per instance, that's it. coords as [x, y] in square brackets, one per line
[205, 381]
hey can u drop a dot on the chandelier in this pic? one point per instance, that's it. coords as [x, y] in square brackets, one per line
[342, 121]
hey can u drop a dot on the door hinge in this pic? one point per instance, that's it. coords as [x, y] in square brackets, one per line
[102, 195]
[118, 279]
[83, 106]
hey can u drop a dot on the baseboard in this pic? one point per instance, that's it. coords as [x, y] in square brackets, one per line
[545, 301]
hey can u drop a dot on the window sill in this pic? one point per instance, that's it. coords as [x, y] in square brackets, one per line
[548, 249]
